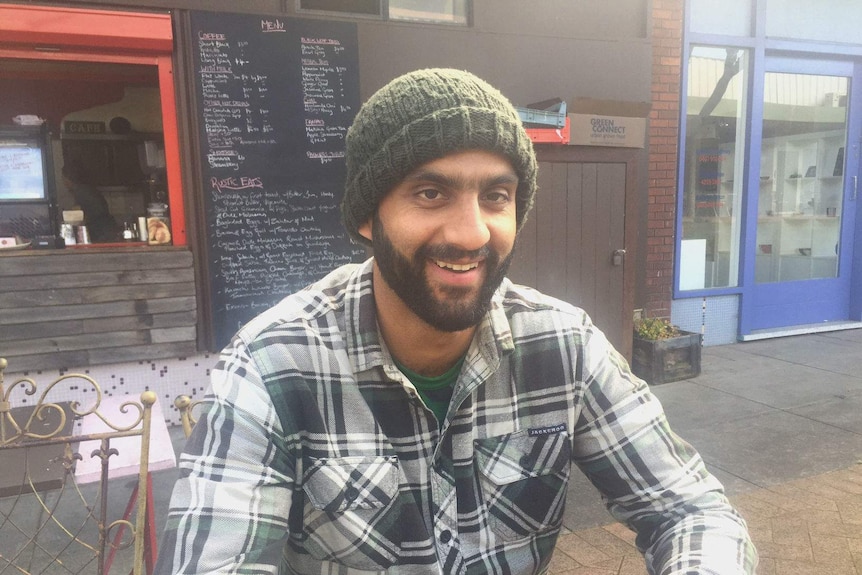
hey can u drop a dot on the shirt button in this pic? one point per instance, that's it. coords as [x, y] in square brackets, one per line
[445, 536]
[351, 493]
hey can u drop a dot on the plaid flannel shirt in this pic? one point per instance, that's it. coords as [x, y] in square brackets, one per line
[318, 456]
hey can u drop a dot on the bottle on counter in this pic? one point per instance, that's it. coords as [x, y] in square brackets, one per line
[129, 233]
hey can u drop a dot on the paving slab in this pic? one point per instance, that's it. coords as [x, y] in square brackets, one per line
[776, 447]
[691, 405]
[778, 384]
[807, 526]
[584, 506]
[733, 483]
[837, 352]
[841, 412]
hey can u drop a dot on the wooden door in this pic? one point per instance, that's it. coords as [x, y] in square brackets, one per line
[585, 212]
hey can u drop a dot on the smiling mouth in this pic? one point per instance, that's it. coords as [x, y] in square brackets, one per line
[457, 267]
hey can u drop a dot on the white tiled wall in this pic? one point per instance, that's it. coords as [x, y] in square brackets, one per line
[167, 378]
[716, 317]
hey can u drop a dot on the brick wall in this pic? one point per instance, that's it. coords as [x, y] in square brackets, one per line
[663, 154]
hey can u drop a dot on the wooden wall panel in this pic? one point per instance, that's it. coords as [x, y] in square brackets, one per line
[613, 178]
[78, 307]
[523, 268]
[589, 217]
[604, 300]
[573, 242]
[97, 279]
[551, 223]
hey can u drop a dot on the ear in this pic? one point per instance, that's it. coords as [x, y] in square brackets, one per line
[366, 229]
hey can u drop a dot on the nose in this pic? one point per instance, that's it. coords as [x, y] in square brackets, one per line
[466, 225]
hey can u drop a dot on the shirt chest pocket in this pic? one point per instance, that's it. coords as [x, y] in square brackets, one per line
[351, 512]
[523, 482]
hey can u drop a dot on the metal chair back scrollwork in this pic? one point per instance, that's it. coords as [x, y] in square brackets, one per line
[58, 510]
[189, 411]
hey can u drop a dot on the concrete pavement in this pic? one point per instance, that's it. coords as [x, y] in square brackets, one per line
[779, 422]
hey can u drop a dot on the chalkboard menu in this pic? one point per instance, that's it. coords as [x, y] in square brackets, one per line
[276, 96]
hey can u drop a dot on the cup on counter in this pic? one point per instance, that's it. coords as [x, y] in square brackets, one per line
[67, 232]
[83, 235]
[142, 228]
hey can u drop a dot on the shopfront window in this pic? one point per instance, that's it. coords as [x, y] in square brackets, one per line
[802, 165]
[807, 20]
[435, 11]
[714, 160]
[731, 17]
[448, 11]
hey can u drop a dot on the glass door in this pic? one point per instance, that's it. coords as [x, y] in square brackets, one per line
[801, 248]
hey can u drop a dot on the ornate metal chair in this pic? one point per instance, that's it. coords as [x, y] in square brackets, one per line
[57, 513]
[188, 411]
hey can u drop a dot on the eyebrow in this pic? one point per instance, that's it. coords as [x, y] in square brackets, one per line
[458, 182]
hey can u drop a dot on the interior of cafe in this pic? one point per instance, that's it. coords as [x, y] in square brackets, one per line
[81, 154]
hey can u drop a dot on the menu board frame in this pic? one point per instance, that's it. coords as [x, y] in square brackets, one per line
[273, 99]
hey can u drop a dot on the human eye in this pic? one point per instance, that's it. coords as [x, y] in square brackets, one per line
[429, 194]
[499, 196]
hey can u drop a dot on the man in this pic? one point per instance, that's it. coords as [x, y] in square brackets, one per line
[101, 224]
[418, 413]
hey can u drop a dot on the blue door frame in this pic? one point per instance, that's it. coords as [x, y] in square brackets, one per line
[767, 306]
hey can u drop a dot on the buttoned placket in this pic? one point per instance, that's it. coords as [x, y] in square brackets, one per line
[478, 368]
[482, 361]
[443, 512]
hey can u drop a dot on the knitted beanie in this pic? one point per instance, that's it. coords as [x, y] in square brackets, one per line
[423, 116]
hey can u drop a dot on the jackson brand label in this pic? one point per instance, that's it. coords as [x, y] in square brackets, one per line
[533, 431]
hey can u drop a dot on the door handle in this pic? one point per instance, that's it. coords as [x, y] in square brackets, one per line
[855, 182]
[617, 257]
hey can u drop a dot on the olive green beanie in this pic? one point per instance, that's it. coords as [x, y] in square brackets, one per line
[422, 116]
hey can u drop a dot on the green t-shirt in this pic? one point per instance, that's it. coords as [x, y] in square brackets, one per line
[436, 391]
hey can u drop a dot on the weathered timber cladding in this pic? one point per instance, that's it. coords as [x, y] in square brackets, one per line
[76, 307]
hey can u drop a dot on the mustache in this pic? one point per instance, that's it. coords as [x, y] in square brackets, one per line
[448, 252]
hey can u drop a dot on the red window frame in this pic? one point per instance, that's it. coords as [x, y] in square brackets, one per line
[85, 35]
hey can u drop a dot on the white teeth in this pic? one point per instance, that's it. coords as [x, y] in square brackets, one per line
[457, 267]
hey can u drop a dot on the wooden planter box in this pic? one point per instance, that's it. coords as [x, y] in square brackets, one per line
[664, 360]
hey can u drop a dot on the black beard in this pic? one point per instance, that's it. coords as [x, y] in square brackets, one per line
[407, 278]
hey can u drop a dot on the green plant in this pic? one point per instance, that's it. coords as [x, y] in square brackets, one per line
[655, 328]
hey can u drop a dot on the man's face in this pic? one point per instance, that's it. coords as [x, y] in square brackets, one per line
[443, 237]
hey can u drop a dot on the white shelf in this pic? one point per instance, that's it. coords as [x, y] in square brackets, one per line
[796, 191]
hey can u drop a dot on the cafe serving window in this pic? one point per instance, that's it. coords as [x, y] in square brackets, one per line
[714, 160]
[104, 107]
[114, 152]
[105, 142]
